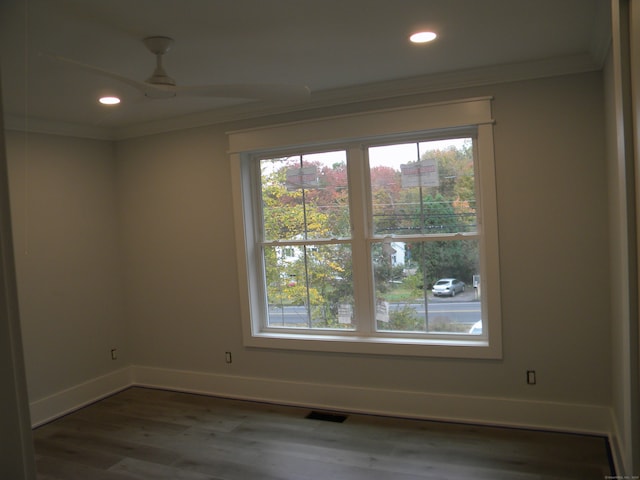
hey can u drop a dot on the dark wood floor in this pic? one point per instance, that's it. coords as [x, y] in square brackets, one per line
[152, 434]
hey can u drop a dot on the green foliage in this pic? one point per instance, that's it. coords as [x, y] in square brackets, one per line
[404, 319]
[415, 283]
[287, 214]
[383, 269]
[446, 259]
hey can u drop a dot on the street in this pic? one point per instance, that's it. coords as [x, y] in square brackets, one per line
[460, 312]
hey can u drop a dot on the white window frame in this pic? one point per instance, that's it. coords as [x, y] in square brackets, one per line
[423, 121]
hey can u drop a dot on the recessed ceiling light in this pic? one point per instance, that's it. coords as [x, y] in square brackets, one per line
[423, 37]
[109, 100]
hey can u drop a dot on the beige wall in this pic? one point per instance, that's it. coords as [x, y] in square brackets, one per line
[182, 281]
[67, 258]
[179, 260]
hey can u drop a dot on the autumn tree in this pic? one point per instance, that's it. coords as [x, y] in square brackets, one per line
[317, 276]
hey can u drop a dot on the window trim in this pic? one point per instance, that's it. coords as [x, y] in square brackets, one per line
[430, 119]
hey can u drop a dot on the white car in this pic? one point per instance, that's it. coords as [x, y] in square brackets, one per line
[476, 328]
[448, 287]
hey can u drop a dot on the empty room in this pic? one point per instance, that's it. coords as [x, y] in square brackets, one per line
[300, 239]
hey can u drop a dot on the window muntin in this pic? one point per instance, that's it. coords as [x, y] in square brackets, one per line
[304, 196]
[305, 199]
[424, 191]
[312, 289]
[423, 187]
[404, 273]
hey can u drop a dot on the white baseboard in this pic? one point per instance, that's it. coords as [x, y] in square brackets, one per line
[554, 416]
[54, 406]
[617, 445]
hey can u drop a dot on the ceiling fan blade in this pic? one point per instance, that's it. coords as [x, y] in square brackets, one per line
[142, 86]
[277, 93]
[268, 92]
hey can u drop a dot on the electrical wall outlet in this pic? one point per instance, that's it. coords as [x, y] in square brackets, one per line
[531, 377]
[227, 357]
[114, 354]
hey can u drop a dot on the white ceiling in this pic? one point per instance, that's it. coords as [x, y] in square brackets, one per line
[343, 50]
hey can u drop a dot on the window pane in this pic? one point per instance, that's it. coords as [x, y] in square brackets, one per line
[423, 188]
[309, 286]
[305, 197]
[429, 287]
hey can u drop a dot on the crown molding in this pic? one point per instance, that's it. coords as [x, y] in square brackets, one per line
[55, 127]
[496, 74]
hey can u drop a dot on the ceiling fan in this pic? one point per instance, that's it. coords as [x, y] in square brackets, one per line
[160, 85]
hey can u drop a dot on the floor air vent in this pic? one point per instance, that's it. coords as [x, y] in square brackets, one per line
[326, 417]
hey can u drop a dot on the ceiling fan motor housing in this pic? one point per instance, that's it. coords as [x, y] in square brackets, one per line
[159, 46]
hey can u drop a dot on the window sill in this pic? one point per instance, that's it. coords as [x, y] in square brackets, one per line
[410, 347]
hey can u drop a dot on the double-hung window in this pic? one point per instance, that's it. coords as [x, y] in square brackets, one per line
[371, 233]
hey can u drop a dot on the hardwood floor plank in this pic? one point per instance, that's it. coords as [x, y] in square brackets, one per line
[293, 460]
[74, 453]
[283, 466]
[140, 469]
[175, 413]
[144, 433]
[49, 468]
[120, 448]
